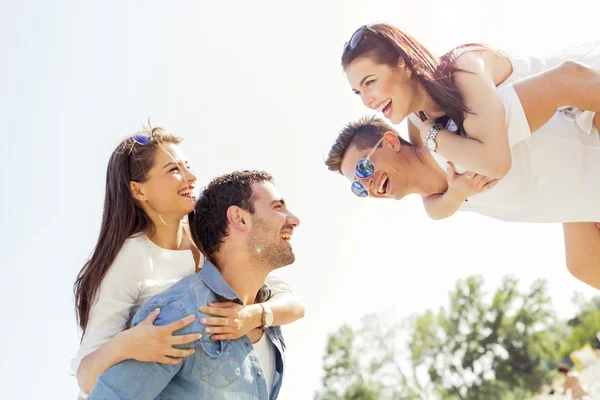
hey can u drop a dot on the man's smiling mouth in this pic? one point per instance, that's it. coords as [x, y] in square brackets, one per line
[383, 184]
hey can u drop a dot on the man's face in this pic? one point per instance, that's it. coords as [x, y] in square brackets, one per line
[272, 228]
[387, 181]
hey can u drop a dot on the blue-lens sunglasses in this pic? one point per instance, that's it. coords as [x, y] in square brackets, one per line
[364, 169]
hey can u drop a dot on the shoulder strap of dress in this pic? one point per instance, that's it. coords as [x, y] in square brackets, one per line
[415, 119]
[461, 50]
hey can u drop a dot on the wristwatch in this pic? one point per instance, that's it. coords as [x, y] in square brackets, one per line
[267, 316]
[432, 133]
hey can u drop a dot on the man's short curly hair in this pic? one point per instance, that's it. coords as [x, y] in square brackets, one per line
[208, 222]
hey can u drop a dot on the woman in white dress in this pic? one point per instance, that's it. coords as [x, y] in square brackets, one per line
[143, 248]
[456, 109]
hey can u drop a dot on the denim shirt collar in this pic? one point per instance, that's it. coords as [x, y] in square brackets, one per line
[215, 281]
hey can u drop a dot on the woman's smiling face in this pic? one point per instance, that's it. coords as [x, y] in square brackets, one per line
[389, 90]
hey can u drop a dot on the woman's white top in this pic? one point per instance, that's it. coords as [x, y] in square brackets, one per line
[555, 172]
[141, 270]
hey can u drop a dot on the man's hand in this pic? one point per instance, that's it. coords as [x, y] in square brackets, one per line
[469, 183]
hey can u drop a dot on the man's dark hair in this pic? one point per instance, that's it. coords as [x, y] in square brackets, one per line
[363, 134]
[208, 222]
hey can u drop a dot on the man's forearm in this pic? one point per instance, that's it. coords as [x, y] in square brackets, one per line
[440, 206]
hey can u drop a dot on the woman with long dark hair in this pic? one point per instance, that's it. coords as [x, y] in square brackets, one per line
[143, 248]
[453, 103]
[396, 75]
[460, 107]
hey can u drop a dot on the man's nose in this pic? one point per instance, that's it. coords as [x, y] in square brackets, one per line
[293, 220]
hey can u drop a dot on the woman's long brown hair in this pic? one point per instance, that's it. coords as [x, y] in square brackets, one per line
[435, 75]
[122, 216]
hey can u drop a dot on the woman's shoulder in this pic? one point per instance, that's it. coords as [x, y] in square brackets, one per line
[473, 59]
[133, 257]
[136, 246]
[468, 50]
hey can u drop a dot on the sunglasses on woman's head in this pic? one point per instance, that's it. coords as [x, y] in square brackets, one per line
[357, 36]
[364, 169]
[139, 138]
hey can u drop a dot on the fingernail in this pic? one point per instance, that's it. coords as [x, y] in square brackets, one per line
[207, 330]
[194, 316]
[211, 304]
[202, 320]
[157, 309]
[199, 336]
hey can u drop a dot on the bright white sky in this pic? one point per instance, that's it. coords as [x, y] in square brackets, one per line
[253, 85]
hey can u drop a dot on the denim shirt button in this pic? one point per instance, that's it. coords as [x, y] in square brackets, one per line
[246, 343]
[218, 351]
[258, 374]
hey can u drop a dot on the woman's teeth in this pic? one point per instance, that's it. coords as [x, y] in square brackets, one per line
[186, 192]
[384, 105]
[387, 109]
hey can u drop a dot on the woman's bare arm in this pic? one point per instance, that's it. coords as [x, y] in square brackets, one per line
[487, 151]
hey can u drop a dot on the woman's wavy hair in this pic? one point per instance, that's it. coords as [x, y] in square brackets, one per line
[389, 44]
[122, 216]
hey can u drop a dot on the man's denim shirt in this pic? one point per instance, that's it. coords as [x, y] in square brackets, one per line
[227, 369]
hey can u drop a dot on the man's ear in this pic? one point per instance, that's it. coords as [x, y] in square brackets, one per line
[137, 191]
[391, 141]
[238, 218]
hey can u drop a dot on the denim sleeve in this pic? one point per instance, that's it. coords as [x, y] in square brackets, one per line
[132, 379]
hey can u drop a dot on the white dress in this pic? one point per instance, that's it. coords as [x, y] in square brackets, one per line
[555, 172]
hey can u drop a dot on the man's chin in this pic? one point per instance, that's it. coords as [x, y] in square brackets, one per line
[291, 257]
[284, 260]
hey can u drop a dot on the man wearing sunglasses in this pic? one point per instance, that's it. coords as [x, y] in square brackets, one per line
[553, 179]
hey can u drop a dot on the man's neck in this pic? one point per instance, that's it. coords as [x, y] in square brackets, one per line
[241, 273]
[429, 178]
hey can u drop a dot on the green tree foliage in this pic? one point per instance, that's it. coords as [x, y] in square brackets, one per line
[499, 346]
[585, 327]
[364, 364]
[479, 349]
